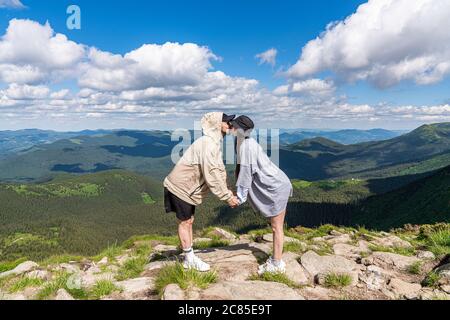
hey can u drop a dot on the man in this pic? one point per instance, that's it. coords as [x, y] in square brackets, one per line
[199, 171]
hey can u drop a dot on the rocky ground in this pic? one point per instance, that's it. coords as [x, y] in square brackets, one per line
[329, 263]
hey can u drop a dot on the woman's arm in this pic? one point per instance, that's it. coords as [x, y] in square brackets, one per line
[244, 183]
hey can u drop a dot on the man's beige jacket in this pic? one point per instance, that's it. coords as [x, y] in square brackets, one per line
[201, 168]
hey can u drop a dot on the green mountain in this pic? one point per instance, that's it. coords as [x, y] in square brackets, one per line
[16, 141]
[79, 214]
[148, 153]
[424, 201]
[347, 136]
[424, 149]
[144, 152]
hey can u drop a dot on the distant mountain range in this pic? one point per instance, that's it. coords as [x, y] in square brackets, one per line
[424, 149]
[348, 136]
[15, 141]
[148, 152]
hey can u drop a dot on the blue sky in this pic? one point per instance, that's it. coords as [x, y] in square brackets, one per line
[235, 31]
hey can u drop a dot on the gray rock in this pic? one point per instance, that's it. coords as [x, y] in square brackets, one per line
[426, 255]
[294, 269]
[315, 264]
[67, 267]
[62, 294]
[343, 238]
[446, 288]
[268, 237]
[389, 260]
[317, 293]
[20, 269]
[402, 289]
[250, 290]
[234, 263]
[433, 294]
[173, 292]
[138, 288]
[374, 277]
[350, 251]
[223, 234]
[392, 241]
[39, 274]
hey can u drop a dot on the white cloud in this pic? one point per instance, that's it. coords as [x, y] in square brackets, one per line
[151, 65]
[14, 4]
[31, 52]
[385, 42]
[26, 92]
[311, 87]
[268, 56]
[159, 85]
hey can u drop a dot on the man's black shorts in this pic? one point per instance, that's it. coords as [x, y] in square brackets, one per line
[184, 211]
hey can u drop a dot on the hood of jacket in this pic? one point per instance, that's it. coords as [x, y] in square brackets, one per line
[212, 125]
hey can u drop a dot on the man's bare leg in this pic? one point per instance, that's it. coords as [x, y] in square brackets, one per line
[185, 233]
[278, 235]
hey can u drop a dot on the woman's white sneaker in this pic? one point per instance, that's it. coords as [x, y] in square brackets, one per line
[197, 264]
[272, 267]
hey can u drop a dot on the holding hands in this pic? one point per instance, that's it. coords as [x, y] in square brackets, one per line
[233, 202]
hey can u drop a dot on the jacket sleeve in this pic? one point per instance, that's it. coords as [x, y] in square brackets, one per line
[215, 175]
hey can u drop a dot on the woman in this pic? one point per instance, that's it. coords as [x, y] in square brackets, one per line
[265, 186]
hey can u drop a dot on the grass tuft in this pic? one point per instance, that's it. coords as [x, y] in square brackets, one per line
[335, 280]
[275, 277]
[431, 280]
[214, 243]
[415, 268]
[25, 282]
[398, 250]
[184, 278]
[132, 268]
[102, 288]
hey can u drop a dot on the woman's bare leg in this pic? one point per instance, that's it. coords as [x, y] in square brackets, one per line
[278, 235]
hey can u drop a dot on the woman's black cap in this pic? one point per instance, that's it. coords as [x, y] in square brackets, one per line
[243, 122]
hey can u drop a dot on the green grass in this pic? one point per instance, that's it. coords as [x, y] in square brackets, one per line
[110, 252]
[184, 278]
[168, 240]
[431, 280]
[294, 247]
[147, 199]
[439, 242]
[274, 277]
[301, 184]
[24, 282]
[213, 243]
[60, 282]
[58, 190]
[415, 268]
[334, 280]
[132, 268]
[102, 288]
[7, 266]
[58, 259]
[398, 250]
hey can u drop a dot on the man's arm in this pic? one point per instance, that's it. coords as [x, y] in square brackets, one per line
[216, 177]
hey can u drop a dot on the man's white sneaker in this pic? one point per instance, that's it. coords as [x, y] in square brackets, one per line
[197, 264]
[271, 267]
